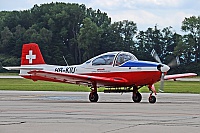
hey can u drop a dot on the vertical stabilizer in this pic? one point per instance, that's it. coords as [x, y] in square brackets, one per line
[31, 55]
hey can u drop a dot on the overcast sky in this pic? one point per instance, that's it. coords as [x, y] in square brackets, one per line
[145, 13]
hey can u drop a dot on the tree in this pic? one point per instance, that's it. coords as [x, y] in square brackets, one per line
[6, 38]
[30, 35]
[119, 36]
[128, 32]
[184, 49]
[18, 35]
[110, 38]
[142, 49]
[89, 38]
[192, 26]
[162, 40]
[79, 33]
[44, 39]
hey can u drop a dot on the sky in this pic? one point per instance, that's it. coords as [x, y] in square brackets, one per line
[145, 13]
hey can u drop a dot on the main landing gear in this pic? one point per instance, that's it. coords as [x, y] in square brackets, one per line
[137, 97]
[94, 97]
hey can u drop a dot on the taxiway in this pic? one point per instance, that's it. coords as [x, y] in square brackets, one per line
[71, 112]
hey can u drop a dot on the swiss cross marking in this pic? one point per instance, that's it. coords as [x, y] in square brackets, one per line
[30, 57]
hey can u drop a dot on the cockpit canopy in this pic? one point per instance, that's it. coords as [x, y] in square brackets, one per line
[111, 58]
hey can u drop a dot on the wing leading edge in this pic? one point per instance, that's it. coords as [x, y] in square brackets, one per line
[76, 78]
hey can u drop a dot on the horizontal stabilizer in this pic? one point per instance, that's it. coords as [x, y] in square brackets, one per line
[24, 68]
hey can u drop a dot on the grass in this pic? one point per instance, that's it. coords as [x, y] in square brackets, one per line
[178, 87]
[9, 74]
[29, 85]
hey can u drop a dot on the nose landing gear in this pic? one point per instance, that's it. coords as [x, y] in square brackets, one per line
[152, 99]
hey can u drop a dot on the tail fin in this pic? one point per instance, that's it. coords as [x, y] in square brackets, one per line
[31, 55]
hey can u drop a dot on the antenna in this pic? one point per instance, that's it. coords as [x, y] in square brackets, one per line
[65, 60]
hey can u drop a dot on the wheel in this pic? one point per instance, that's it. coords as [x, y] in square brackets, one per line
[93, 97]
[152, 99]
[137, 97]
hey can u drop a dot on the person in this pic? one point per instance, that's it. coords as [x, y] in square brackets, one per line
[120, 60]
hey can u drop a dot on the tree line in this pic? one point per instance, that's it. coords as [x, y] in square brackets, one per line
[79, 33]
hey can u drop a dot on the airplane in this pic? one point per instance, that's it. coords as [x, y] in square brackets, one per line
[117, 72]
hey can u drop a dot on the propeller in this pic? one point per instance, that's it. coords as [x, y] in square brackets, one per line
[155, 56]
[164, 68]
[175, 62]
[161, 89]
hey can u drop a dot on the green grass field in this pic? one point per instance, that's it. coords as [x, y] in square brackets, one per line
[178, 87]
[29, 85]
[9, 74]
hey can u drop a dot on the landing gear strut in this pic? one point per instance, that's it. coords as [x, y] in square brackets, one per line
[152, 99]
[137, 97]
[93, 97]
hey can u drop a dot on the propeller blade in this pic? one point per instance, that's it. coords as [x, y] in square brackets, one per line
[162, 82]
[175, 62]
[155, 56]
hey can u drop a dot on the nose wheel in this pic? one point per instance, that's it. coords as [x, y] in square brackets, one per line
[152, 99]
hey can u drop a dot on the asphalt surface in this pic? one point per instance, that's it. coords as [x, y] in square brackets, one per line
[71, 112]
[10, 77]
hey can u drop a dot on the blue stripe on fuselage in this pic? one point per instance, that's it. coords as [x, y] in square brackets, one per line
[139, 64]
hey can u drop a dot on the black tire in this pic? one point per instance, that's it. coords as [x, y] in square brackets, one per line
[93, 97]
[137, 98]
[152, 99]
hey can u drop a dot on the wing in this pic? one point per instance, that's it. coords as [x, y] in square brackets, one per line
[175, 76]
[76, 78]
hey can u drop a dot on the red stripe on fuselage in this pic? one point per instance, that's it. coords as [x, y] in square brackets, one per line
[133, 78]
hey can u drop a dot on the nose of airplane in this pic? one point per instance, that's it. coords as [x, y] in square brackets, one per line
[163, 67]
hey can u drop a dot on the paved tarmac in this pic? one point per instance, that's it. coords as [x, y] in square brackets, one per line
[71, 112]
[10, 77]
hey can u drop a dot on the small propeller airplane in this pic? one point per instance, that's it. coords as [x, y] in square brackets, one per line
[118, 72]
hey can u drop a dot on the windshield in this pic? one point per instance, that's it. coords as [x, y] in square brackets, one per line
[124, 57]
